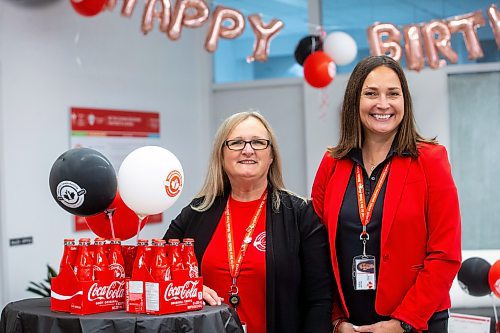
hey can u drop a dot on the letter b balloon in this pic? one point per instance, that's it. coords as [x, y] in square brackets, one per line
[150, 180]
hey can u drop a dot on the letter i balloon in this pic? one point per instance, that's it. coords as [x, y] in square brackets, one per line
[150, 180]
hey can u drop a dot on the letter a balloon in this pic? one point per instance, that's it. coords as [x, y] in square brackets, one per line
[150, 180]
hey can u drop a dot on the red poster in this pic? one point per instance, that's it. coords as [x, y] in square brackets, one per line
[100, 122]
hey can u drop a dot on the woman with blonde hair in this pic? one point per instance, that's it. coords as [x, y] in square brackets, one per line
[259, 246]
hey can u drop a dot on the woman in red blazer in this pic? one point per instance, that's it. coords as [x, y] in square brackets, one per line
[390, 204]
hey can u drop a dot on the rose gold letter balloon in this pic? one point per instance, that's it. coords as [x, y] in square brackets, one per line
[128, 7]
[111, 4]
[413, 48]
[236, 27]
[390, 46]
[494, 16]
[468, 25]
[441, 44]
[188, 13]
[263, 35]
[150, 13]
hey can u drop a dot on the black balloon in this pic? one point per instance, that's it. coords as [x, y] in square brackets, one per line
[306, 46]
[473, 276]
[83, 181]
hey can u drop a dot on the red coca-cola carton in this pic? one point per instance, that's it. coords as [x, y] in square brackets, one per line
[85, 289]
[174, 296]
[68, 294]
[104, 295]
[145, 294]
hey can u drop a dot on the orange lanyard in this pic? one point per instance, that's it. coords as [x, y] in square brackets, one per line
[234, 267]
[365, 213]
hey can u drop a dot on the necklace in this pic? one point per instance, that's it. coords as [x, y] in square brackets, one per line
[372, 167]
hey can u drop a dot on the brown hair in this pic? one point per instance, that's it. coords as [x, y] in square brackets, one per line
[351, 130]
[216, 180]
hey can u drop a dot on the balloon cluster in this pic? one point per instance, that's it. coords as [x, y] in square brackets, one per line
[320, 57]
[84, 183]
[477, 277]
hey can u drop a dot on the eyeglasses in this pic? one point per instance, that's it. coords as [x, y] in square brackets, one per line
[256, 144]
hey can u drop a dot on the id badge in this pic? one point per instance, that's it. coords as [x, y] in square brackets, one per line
[363, 273]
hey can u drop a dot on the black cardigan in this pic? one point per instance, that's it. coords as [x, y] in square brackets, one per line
[298, 266]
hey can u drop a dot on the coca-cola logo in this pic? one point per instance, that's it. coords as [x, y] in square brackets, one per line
[188, 290]
[112, 291]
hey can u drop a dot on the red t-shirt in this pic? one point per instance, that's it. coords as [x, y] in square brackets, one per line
[252, 278]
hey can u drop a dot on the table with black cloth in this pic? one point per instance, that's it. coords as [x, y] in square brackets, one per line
[34, 316]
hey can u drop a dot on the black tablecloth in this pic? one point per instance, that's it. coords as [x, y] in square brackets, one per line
[34, 316]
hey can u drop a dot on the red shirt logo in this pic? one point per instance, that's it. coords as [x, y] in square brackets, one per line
[260, 242]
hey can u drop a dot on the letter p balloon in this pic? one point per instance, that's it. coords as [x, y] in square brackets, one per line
[150, 180]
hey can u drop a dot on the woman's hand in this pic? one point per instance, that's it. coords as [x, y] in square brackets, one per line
[346, 327]
[389, 326]
[211, 297]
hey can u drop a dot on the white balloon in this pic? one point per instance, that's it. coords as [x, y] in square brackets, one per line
[150, 180]
[341, 47]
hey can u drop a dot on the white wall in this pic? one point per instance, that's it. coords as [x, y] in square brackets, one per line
[51, 59]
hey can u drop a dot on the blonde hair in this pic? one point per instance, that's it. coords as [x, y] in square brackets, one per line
[217, 181]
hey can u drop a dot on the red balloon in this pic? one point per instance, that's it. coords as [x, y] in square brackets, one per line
[319, 69]
[125, 221]
[88, 7]
[494, 278]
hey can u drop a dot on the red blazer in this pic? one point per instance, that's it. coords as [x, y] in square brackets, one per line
[420, 241]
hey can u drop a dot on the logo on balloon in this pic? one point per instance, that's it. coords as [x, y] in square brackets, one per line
[173, 183]
[70, 194]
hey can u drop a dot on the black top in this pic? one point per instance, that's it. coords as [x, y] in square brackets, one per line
[298, 267]
[360, 303]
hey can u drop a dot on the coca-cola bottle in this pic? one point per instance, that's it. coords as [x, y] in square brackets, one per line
[84, 266]
[175, 255]
[190, 261]
[100, 259]
[69, 254]
[160, 267]
[141, 256]
[115, 258]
